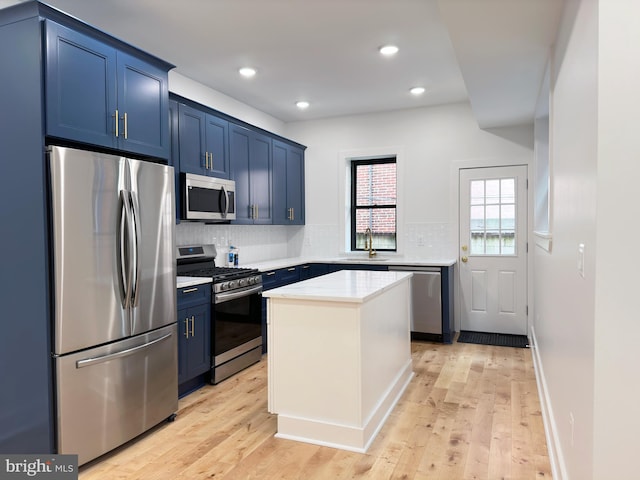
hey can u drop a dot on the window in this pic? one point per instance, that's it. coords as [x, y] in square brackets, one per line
[493, 216]
[373, 204]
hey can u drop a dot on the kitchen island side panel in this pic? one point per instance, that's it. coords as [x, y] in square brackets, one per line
[337, 368]
[26, 412]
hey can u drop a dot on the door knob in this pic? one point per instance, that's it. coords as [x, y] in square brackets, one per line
[464, 248]
[464, 259]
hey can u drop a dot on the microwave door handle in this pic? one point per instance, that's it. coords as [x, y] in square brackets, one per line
[224, 195]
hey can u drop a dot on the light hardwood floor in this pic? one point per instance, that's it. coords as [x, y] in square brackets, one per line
[470, 412]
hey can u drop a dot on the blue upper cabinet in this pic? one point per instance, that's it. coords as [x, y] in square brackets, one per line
[288, 184]
[143, 103]
[250, 160]
[203, 142]
[99, 95]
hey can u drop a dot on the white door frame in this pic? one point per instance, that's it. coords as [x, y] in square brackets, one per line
[454, 214]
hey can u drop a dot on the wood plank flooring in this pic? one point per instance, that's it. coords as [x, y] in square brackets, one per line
[470, 412]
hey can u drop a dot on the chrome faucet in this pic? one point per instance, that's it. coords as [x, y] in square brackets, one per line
[369, 245]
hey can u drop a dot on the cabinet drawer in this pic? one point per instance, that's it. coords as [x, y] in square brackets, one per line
[194, 294]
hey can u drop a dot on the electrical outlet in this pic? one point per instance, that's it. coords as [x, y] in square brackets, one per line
[572, 424]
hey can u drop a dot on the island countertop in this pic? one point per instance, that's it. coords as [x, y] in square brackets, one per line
[355, 286]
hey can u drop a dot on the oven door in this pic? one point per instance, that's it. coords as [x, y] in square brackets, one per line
[237, 323]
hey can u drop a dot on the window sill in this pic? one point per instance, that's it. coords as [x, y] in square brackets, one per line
[543, 240]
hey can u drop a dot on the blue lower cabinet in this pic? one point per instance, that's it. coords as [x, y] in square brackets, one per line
[194, 337]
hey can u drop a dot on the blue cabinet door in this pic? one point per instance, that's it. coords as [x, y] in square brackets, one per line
[260, 178]
[204, 148]
[288, 184]
[143, 102]
[239, 147]
[217, 133]
[194, 332]
[295, 185]
[100, 96]
[250, 164]
[199, 341]
[191, 128]
[80, 87]
[279, 169]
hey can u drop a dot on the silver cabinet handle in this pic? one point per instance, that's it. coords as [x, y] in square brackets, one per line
[186, 328]
[190, 290]
[193, 327]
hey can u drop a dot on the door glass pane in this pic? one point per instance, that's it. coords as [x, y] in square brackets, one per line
[492, 221]
[492, 242]
[507, 190]
[477, 192]
[477, 242]
[493, 191]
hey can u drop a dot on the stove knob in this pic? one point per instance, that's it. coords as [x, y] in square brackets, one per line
[224, 286]
[252, 280]
[242, 282]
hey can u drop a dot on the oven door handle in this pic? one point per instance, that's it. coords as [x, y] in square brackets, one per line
[226, 296]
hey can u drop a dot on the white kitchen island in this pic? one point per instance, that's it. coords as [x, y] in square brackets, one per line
[339, 355]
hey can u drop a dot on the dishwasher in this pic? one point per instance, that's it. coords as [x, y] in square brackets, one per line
[426, 300]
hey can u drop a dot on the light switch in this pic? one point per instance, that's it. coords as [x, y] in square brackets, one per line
[581, 259]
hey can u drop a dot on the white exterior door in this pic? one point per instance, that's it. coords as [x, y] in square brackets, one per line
[493, 249]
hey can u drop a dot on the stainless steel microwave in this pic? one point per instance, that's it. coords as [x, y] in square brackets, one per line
[208, 199]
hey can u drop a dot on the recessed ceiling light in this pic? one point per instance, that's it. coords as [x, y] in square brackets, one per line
[247, 72]
[302, 104]
[417, 91]
[388, 50]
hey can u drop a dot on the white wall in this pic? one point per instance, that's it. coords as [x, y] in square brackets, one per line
[586, 327]
[564, 305]
[432, 142]
[617, 356]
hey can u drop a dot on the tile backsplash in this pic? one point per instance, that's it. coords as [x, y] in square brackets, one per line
[257, 243]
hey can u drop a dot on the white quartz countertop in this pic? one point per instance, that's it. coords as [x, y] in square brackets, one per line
[182, 282]
[355, 286]
[352, 259]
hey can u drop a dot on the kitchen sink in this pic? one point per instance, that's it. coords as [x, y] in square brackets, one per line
[365, 259]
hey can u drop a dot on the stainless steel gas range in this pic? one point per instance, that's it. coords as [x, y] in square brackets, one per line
[236, 309]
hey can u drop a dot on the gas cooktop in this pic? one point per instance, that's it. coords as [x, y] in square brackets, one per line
[200, 261]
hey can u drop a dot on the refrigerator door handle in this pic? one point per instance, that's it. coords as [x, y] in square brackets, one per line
[124, 249]
[136, 240]
[124, 353]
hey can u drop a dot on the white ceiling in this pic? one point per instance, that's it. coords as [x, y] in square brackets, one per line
[489, 52]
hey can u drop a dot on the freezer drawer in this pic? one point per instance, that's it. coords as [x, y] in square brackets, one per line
[110, 394]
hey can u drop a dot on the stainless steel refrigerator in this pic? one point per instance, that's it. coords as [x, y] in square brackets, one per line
[115, 333]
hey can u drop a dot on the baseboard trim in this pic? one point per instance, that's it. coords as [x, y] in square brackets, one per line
[556, 458]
